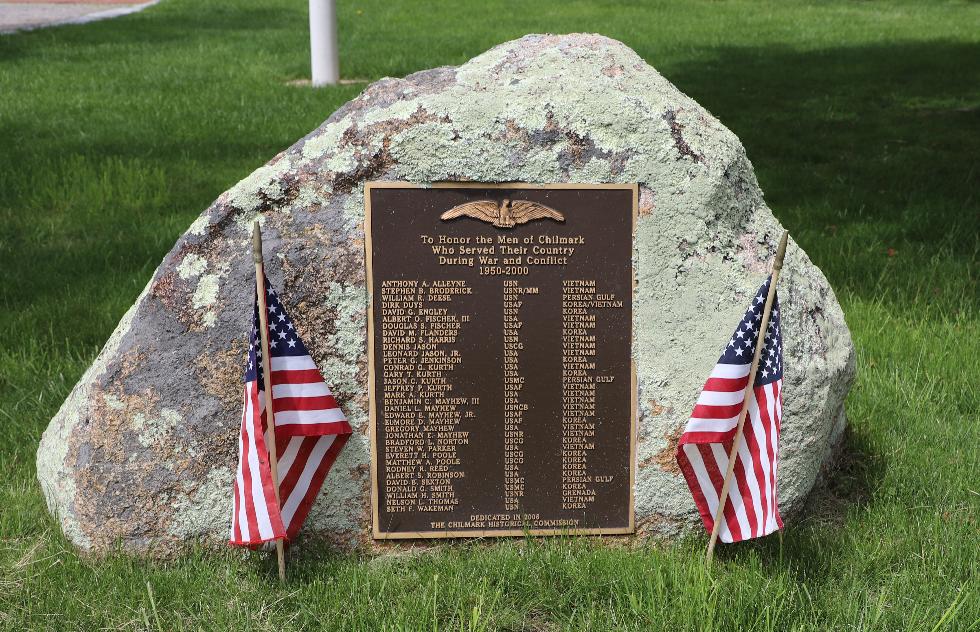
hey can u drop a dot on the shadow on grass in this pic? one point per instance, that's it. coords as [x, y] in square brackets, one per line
[159, 26]
[848, 485]
[860, 150]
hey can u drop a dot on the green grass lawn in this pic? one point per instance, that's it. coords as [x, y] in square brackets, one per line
[863, 122]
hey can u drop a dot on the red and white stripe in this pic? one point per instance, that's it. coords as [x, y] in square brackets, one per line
[255, 514]
[303, 402]
[304, 462]
[311, 430]
[752, 509]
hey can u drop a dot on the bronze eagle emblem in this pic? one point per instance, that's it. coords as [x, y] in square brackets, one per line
[505, 214]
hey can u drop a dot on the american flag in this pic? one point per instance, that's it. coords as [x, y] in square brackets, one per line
[702, 452]
[310, 430]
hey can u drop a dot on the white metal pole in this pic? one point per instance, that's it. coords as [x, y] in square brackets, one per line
[323, 42]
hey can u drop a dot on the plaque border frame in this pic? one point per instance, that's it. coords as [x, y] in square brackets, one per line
[376, 532]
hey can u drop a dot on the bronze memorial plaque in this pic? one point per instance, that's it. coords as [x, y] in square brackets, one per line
[501, 383]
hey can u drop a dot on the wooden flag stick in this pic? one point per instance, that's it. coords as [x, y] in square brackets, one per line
[270, 430]
[777, 266]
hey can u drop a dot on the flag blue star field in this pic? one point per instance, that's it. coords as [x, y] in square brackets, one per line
[310, 431]
[702, 452]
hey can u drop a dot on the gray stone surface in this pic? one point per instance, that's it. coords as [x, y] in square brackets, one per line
[142, 451]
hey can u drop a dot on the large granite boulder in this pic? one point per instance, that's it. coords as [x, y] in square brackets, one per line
[141, 454]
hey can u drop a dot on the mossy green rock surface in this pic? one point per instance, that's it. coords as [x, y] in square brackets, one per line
[142, 452]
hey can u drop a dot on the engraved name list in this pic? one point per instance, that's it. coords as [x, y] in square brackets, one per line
[501, 384]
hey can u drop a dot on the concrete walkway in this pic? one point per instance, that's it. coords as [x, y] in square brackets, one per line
[24, 15]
